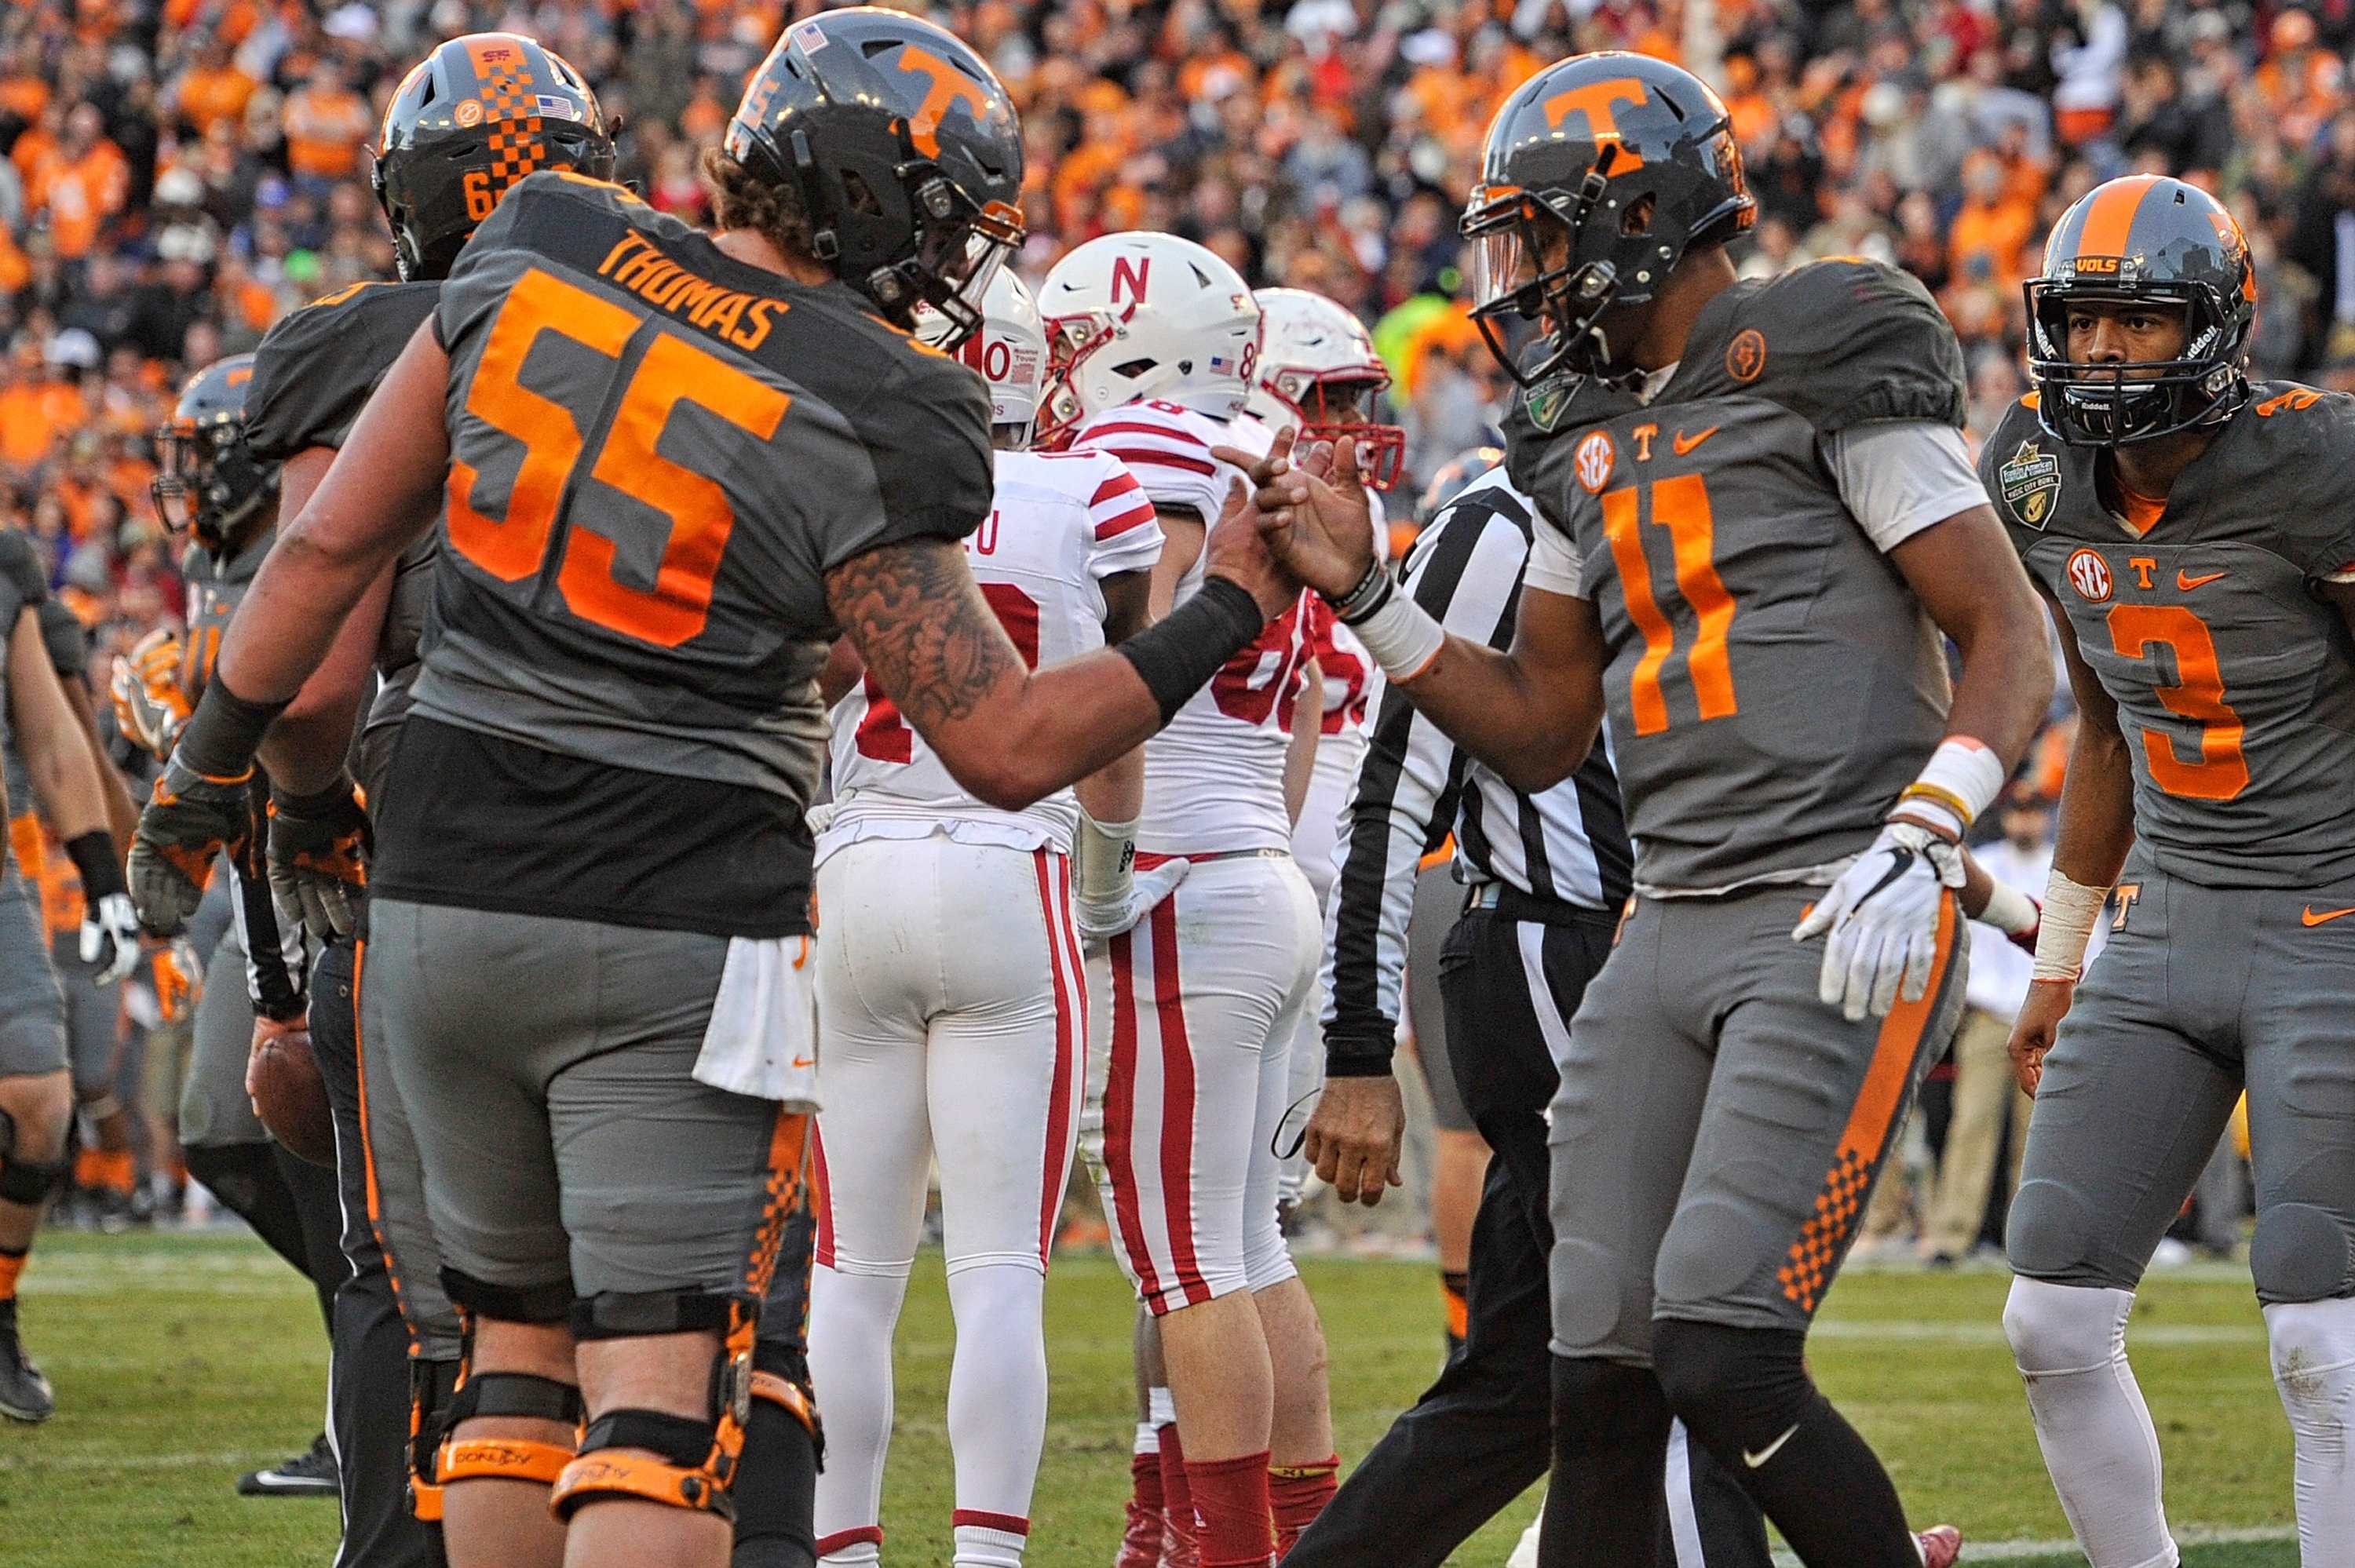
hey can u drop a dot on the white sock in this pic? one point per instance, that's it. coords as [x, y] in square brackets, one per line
[850, 1323]
[998, 1400]
[2314, 1368]
[2091, 1421]
[984, 1546]
[1160, 1410]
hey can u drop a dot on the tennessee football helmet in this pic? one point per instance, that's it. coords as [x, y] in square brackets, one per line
[1137, 315]
[1318, 375]
[2142, 239]
[905, 153]
[206, 484]
[468, 121]
[1600, 173]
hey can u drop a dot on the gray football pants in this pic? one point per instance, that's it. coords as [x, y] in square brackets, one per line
[2200, 993]
[1719, 1128]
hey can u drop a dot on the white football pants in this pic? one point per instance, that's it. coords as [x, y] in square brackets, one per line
[952, 1026]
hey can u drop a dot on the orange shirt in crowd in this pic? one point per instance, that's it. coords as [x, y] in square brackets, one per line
[324, 132]
[32, 414]
[24, 97]
[208, 97]
[80, 197]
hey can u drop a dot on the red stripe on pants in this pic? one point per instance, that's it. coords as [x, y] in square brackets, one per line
[1071, 1005]
[1177, 1105]
[1120, 1113]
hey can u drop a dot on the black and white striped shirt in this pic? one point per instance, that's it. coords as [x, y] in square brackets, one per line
[1568, 844]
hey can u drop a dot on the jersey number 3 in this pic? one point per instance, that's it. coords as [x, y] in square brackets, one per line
[671, 372]
[1680, 505]
[2221, 770]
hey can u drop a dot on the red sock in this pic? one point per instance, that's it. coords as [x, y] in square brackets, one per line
[1176, 1493]
[1140, 1543]
[1231, 1509]
[12, 1264]
[1296, 1494]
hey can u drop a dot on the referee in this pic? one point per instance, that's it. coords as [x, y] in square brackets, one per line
[1547, 876]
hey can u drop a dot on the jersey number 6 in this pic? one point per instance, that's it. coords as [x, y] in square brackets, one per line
[672, 371]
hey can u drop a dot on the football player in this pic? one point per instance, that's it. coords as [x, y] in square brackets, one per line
[665, 467]
[1758, 517]
[1546, 876]
[2184, 529]
[66, 775]
[1155, 338]
[937, 1044]
[460, 130]
[215, 494]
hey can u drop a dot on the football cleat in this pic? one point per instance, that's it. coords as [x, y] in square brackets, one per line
[25, 1394]
[1941, 1546]
[1140, 1543]
[310, 1474]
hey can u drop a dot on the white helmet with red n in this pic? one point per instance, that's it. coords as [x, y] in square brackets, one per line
[1319, 375]
[1010, 352]
[1139, 315]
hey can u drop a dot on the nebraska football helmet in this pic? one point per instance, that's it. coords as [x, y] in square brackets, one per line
[1010, 352]
[1130, 316]
[1319, 375]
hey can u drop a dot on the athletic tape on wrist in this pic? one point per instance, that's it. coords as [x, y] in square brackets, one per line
[1176, 656]
[1403, 636]
[1104, 858]
[2009, 910]
[2070, 910]
[1961, 780]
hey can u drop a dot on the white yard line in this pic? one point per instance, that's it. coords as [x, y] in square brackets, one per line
[1962, 1331]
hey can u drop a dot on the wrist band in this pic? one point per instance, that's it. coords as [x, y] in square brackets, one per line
[1365, 596]
[318, 804]
[219, 739]
[2070, 910]
[1176, 656]
[1402, 637]
[2009, 910]
[93, 857]
[1960, 781]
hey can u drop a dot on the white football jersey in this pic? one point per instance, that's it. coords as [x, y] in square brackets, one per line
[1214, 778]
[1060, 523]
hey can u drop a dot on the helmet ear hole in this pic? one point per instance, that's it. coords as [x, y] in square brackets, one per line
[859, 195]
[1637, 219]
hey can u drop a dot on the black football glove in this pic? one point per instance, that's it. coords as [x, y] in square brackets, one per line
[191, 819]
[319, 849]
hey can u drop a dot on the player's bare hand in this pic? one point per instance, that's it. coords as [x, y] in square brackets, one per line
[1354, 1136]
[2033, 1031]
[1237, 550]
[1314, 507]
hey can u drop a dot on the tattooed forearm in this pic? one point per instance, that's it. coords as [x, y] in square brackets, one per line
[929, 638]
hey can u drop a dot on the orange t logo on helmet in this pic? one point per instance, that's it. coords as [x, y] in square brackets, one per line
[949, 86]
[1598, 101]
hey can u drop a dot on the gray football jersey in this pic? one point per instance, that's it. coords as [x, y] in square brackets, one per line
[22, 587]
[657, 454]
[2235, 679]
[1773, 684]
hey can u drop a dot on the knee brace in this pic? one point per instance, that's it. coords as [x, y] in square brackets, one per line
[494, 1393]
[433, 1385]
[781, 1377]
[2058, 1330]
[696, 1459]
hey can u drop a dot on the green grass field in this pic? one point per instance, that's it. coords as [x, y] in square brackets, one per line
[180, 1360]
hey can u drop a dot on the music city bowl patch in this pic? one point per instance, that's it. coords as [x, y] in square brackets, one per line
[2030, 483]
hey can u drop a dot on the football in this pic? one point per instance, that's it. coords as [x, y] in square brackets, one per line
[289, 1095]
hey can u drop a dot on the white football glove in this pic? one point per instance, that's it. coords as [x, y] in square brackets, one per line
[1100, 923]
[109, 935]
[1882, 915]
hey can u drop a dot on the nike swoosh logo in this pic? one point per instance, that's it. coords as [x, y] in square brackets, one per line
[2187, 582]
[1759, 1458]
[1683, 445]
[2325, 919]
[804, 1060]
